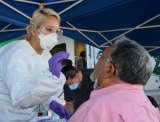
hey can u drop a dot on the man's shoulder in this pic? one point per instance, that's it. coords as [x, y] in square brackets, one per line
[99, 99]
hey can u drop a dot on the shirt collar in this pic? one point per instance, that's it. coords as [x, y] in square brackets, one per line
[115, 88]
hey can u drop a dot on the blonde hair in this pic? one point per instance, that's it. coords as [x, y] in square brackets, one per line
[40, 15]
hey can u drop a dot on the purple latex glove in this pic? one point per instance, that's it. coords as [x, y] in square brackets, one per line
[59, 109]
[55, 62]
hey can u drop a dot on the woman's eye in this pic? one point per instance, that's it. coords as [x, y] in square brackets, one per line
[49, 30]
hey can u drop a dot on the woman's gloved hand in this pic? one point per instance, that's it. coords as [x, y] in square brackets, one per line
[55, 61]
[59, 109]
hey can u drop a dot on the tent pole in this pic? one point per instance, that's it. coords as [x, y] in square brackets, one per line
[104, 37]
[85, 30]
[71, 6]
[41, 6]
[75, 29]
[132, 29]
[114, 30]
[104, 46]
[153, 49]
[11, 7]
[150, 46]
[25, 1]
[10, 30]
[123, 29]
[56, 2]
[83, 34]
[5, 27]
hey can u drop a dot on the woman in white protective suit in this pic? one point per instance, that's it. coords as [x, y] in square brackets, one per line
[29, 75]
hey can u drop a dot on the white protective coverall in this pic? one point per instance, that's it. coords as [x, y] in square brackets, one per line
[25, 82]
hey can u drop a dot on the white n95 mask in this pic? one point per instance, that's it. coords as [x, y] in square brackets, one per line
[47, 42]
[73, 86]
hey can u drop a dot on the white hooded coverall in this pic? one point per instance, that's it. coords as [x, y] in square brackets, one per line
[25, 82]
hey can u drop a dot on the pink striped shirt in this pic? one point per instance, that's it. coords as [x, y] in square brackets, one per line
[117, 103]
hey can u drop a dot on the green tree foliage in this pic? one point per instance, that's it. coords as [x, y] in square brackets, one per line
[156, 70]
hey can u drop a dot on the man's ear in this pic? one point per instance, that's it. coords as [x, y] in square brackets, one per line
[109, 71]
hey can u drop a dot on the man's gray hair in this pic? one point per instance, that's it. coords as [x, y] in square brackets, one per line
[132, 61]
